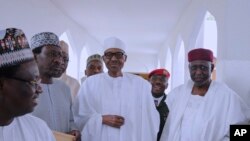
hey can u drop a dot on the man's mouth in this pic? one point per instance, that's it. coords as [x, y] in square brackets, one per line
[157, 88]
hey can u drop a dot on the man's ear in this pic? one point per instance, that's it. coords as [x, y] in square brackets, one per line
[1, 82]
[189, 66]
[125, 58]
[166, 86]
[35, 56]
[85, 72]
[1, 88]
[212, 67]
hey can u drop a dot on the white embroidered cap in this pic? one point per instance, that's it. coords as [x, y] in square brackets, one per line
[94, 57]
[14, 47]
[44, 39]
[114, 42]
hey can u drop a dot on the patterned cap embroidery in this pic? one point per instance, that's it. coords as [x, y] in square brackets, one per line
[94, 57]
[44, 39]
[14, 47]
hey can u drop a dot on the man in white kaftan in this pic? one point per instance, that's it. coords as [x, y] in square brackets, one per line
[116, 106]
[70, 81]
[19, 89]
[209, 117]
[202, 109]
[26, 128]
[55, 103]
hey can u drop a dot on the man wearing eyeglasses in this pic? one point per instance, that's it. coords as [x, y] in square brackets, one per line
[202, 109]
[159, 80]
[19, 90]
[55, 102]
[116, 106]
[70, 81]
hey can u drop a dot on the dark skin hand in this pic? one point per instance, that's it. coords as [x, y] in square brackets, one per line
[77, 135]
[115, 121]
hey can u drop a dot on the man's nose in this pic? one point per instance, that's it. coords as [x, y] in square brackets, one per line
[198, 71]
[59, 60]
[96, 70]
[38, 89]
[113, 58]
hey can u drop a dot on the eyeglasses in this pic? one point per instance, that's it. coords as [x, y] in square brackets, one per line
[118, 55]
[33, 83]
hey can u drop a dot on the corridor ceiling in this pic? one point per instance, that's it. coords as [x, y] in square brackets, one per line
[144, 25]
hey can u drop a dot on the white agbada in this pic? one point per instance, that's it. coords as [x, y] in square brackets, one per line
[128, 96]
[217, 110]
[26, 128]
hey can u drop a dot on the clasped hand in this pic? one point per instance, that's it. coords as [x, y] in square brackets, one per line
[113, 120]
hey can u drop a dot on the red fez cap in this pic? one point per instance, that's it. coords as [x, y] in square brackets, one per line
[200, 54]
[159, 72]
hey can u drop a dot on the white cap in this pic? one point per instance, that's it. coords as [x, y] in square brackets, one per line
[114, 42]
[44, 39]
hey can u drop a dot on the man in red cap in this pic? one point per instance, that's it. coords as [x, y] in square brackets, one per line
[159, 80]
[202, 109]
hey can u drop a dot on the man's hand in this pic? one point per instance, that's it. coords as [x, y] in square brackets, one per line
[113, 120]
[76, 133]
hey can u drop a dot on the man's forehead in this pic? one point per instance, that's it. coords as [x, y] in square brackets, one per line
[113, 50]
[94, 63]
[158, 75]
[52, 48]
[200, 62]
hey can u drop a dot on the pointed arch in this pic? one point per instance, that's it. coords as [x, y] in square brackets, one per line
[83, 58]
[178, 64]
[168, 66]
[207, 37]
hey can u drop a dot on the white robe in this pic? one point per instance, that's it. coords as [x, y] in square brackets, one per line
[128, 96]
[55, 106]
[26, 128]
[72, 83]
[219, 108]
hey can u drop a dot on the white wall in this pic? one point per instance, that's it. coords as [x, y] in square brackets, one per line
[234, 47]
[137, 62]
